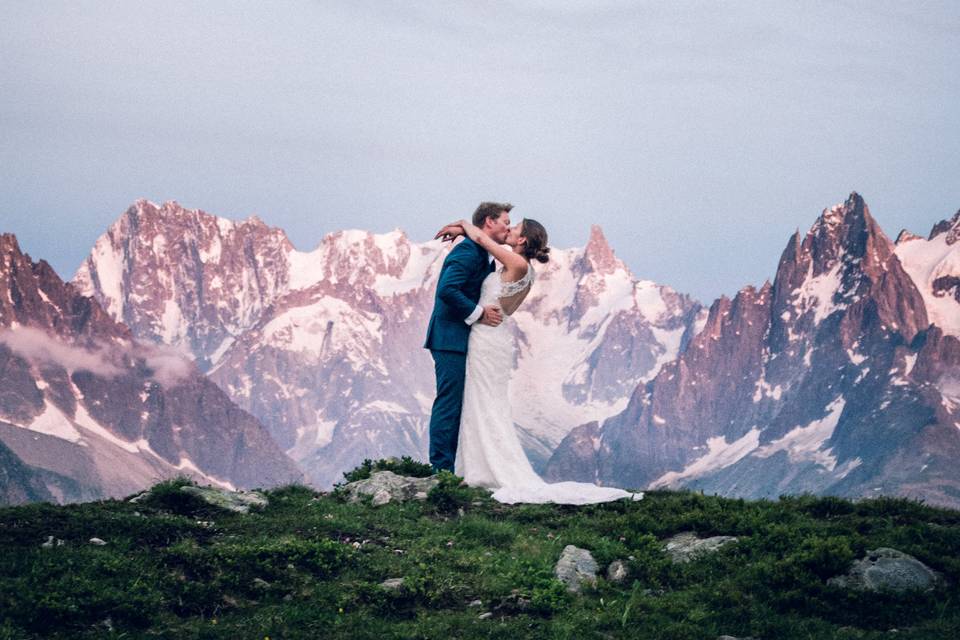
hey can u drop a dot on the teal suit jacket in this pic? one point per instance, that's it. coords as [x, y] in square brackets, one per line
[458, 292]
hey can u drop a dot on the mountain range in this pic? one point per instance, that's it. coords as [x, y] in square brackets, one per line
[325, 346]
[840, 376]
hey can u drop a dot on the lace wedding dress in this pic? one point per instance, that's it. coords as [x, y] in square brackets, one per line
[489, 452]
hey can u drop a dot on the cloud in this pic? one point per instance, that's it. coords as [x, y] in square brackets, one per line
[38, 346]
[169, 365]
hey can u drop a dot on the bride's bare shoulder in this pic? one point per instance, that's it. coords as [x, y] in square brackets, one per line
[514, 272]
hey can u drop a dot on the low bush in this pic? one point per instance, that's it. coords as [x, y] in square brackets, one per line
[405, 466]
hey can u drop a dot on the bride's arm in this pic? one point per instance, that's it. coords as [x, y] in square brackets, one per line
[510, 260]
[449, 232]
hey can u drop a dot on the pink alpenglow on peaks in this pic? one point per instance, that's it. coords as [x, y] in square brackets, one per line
[89, 412]
[839, 377]
[327, 351]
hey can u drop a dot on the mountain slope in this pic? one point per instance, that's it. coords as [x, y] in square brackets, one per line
[101, 414]
[19, 483]
[183, 278]
[934, 266]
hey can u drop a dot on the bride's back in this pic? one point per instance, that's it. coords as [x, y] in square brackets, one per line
[512, 294]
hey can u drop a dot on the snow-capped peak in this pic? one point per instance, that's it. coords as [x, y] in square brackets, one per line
[599, 253]
[850, 213]
[906, 236]
[354, 256]
[949, 227]
[8, 246]
[934, 266]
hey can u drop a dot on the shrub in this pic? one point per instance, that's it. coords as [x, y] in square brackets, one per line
[824, 557]
[238, 568]
[291, 492]
[96, 585]
[651, 566]
[485, 531]
[825, 506]
[167, 496]
[405, 466]
[549, 597]
[450, 493]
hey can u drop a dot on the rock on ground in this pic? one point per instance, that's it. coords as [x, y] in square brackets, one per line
[387, 486]
[575, 568]
[686, 546]
[392, 583]
[617, 571]
[889, 569]
[238, 501]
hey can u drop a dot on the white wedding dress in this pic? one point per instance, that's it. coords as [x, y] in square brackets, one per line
[489, 453]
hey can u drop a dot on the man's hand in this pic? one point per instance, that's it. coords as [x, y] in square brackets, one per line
[492, 316]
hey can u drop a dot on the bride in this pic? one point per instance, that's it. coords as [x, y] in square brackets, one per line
[489, 452]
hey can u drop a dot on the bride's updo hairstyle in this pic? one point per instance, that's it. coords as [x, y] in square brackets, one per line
[535, 247]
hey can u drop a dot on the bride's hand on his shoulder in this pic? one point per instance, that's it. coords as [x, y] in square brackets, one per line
[471, 231]
[449, 232]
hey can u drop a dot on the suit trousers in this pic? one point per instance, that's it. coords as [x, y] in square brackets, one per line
[451, 370]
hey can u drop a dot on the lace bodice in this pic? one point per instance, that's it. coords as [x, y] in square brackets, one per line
[495, 288]
[513, 288]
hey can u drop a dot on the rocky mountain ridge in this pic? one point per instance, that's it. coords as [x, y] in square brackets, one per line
[86, 411]
[831, 379]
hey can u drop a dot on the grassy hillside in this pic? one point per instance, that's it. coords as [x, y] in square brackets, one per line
[309, 566]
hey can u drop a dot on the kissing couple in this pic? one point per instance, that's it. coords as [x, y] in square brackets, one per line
[471, 424]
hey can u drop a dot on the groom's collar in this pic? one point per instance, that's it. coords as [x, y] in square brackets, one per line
[480, 249]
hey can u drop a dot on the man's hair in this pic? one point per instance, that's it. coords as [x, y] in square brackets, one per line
[489, 210]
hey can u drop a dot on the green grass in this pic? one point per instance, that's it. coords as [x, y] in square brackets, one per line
[309, 566]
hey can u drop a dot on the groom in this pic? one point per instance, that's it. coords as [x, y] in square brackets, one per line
[455, 308]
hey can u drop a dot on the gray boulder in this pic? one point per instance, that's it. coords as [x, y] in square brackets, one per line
[386, 486]
[617, 571]
[888, 569]
[52, 542]
[575, 568]
[238, 501]
[391, 584]
[686, 546]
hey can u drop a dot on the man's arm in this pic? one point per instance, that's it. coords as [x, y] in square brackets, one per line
[475, 315]
[452, 280]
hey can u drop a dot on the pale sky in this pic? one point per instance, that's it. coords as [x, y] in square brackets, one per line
[698, 135]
